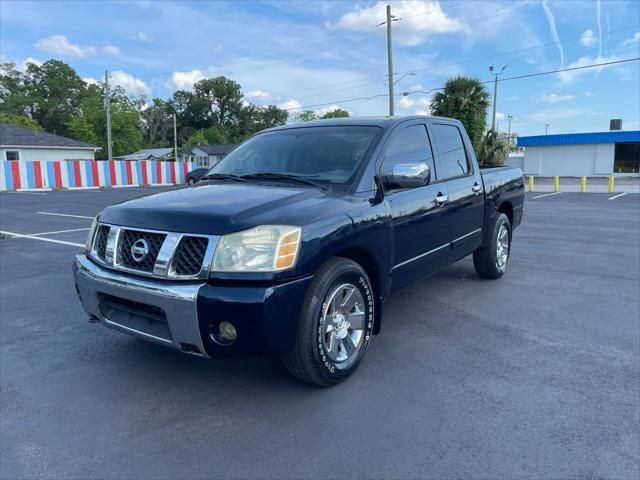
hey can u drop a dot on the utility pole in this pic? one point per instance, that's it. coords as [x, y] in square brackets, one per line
[495, 94]
[546, 129]
[175, 138]
[107, 102]
[510, 117]
[390, 61]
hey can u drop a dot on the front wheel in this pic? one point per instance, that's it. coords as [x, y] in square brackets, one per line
[191, 181]
[335, 326]
[491, 261]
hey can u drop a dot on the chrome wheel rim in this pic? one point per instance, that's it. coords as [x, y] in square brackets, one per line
[502, 254]
[343, 323]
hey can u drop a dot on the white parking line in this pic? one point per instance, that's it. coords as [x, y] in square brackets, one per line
[548, 194]
[30, 193]
[59, 231]
[62, 242]
[64, 215]
[616, 196]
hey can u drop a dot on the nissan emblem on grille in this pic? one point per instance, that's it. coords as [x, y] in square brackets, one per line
[139, 250]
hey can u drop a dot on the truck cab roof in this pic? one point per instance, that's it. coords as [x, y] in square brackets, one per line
[374, 121]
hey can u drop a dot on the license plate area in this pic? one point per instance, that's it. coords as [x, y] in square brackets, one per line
[139, 317]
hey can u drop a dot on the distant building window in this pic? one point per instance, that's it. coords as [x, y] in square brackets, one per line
[627, 158]
[12, 155]
[202, 161]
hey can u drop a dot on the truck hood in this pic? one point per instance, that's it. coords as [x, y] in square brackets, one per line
[217, 209]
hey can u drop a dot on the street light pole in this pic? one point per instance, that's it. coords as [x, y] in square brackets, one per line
[546, 129]
[495, 94]
[107, 106]
[510, 117]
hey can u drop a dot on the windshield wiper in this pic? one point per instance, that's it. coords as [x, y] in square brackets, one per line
[283, 177]
[223, 176]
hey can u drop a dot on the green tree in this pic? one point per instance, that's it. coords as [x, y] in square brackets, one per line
[81, 129]
[223, 98]
[156, 122]
[14, 98]
[19, 120]
[493, 150]
[306, 116]
[198, 138]
[337, 113]
[466, 99]
[55, 91]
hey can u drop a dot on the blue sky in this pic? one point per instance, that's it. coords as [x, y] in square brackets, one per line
[296, 54]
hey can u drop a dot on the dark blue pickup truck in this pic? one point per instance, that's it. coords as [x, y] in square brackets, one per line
[294, 241]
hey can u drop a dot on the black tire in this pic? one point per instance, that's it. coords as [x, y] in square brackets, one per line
[191, 181]
[486, 259]
[311, 359]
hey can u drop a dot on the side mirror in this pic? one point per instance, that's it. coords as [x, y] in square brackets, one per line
[409, 175]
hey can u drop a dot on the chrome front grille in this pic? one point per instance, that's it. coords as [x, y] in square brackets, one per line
[189, 255]
[128, 239]
[154, 253]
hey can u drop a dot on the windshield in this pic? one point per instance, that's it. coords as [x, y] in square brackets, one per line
[329, 155]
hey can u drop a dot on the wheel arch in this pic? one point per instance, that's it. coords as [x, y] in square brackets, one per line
[367, 261]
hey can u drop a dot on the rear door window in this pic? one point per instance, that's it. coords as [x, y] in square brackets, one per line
[452, 154]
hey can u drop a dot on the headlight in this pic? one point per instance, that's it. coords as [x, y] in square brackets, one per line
[92, 232]
[267, 248]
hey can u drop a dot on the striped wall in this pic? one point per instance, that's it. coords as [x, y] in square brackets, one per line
[90, 174]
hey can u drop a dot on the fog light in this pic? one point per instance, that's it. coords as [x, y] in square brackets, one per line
[227, 331]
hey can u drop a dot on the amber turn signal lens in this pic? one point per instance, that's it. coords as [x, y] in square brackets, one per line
[288, 250]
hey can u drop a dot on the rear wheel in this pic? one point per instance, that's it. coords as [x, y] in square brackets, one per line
[335, 324]
[491, 261]
[191, 181]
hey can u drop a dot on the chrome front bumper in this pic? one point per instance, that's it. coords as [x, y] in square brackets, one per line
[160, 311]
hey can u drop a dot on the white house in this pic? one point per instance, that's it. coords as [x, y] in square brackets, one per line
[23, 144]
[205, 155]
[582, 154]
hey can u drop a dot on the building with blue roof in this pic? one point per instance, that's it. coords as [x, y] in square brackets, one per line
[582, 154]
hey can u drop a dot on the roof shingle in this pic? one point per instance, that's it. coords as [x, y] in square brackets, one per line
[14, 136]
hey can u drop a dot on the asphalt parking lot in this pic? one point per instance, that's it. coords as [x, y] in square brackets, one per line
[535, 375]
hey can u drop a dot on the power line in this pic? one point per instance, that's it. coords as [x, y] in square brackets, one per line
[529, 75]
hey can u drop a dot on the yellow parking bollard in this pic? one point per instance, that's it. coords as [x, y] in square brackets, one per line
[556, 184]
[531, 184]
[583, 184]
[611, 184]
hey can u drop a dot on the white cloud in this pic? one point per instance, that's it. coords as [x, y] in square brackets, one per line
[111, 50]
[551, 21]
[632, 40]
[331, 108]
[257, 94]
[141, 37]
[184, 80]
[588, 94]
[584, 61]
[555, 98]
[420, 20]
[60, 45]
[548, 115]
[132, 85]
[500, 116]
[90, 80]
[290, 105]
[416, 105]
[588, 39]
[22, 65]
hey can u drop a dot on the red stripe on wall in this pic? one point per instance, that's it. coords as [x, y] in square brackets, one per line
[76, 174]
[128, 170]
[158, 172]
[172, 172]
[15, 174]
[94, 173]
[37, 173]
[143, 168]
[112, 172]
[185, 169]
[57, 174]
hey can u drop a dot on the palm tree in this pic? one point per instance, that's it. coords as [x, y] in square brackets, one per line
[493, 150]
[466, 99]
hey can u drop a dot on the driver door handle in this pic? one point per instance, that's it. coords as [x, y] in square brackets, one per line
[441, 198]
[476, 188]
